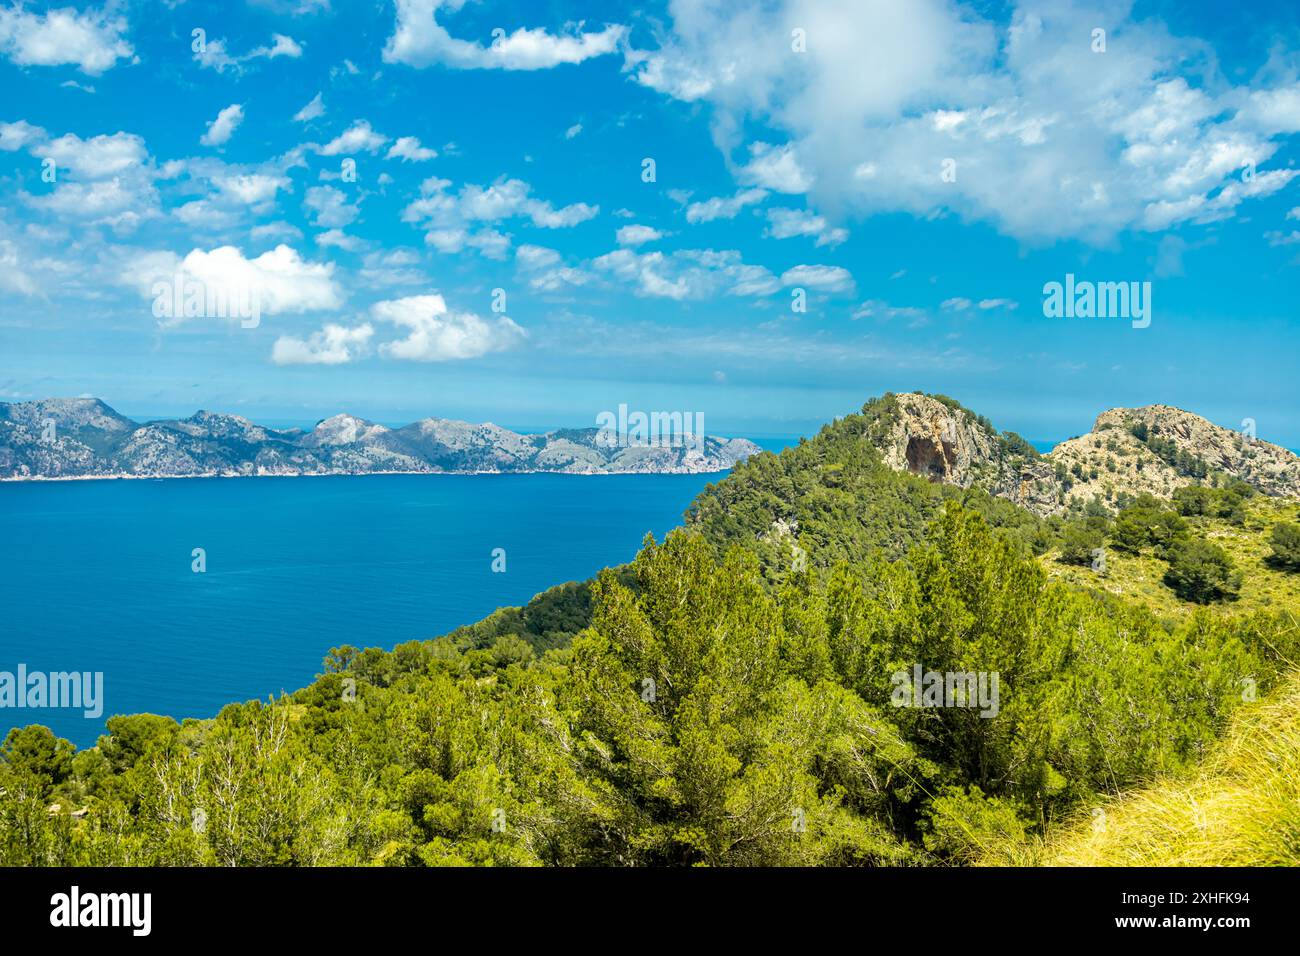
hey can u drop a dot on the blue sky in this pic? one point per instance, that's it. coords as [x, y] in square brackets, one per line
[800, 155]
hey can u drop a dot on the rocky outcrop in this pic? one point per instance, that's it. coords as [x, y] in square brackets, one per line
[1155, 449]
[947, 443]
[75, 438]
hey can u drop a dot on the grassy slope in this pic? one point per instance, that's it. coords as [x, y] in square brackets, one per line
[1139, 577]
[1240, 808]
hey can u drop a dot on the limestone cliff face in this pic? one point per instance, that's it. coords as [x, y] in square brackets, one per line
[1156, 449]
[935, 440]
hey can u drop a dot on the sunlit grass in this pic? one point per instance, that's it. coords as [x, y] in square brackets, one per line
[1240, 808]
[1140, 577]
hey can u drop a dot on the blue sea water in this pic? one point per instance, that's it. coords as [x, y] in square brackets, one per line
[96, 575]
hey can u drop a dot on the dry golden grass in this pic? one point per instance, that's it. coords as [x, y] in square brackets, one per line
[1241, 808]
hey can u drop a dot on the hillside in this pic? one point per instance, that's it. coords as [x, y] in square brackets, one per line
[82, 438]
[1140, 577]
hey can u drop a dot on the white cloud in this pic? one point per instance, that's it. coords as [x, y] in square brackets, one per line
[637, 235]
[214, 55]
[99, 156]
[281, 279]
[15, 136]
[536, 257]
[329, 207]
[724, 207]
[439, 335]
[120, 202]
[776, 168]
[824, 278]
[409, 148]
[573, 131]
[451, 218]
[419, 40]
[223, 127]
[332, 345]
[687, 273]
[104, 180]
[313, 110]
[14, 276]
[1048, 139]
[282, 46]
[250, 189]
[359, 137]
[338, 239]
[788, 223]
[93, 40]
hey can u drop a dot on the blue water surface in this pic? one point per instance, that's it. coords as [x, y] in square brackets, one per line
[96, 575]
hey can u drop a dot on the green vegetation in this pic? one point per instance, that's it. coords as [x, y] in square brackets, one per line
[1167, 450]
[731, 697]
[1285, 542]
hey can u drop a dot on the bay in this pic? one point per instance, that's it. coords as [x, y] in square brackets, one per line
[95, 576]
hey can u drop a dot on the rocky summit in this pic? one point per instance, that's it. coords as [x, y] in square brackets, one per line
[1130, 451]
[85, 438]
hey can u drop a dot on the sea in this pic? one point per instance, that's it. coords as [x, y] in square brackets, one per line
[99, 576]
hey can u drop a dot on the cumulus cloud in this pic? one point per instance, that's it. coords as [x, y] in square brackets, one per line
[637, 235]
[437, 334]
[687, 273]
[99, 156]
[214, 56]
[223, 127]
[419, 40]
[249, 189]
[332, 345]
[280, 280]
[15, 136]
[455, 220]
[776, 168]
[91, 40]
[329, 207]
[358, 138]
[104, 180]
[408, 148]
[788, 223]
[931, 108]
[724, 207]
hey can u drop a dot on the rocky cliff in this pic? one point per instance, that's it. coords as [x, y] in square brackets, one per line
[1156, 449]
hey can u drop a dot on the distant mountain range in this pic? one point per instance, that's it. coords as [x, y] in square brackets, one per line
[85, 438]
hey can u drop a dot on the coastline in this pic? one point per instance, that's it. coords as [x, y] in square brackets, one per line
[15, 479]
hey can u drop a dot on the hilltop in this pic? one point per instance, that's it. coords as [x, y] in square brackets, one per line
[1153, 450]
[85, 438]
